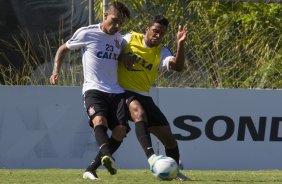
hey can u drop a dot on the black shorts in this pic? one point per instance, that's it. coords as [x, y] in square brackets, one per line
[111, 106]
[153, 112]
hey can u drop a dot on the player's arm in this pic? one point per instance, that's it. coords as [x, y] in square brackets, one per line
[128, 60]
[177, 63]
[60, 54]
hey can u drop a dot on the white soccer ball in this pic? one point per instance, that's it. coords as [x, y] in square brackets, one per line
[165, 168]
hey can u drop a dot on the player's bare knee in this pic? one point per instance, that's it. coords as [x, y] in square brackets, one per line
[99, 120]
[136, 111]
[137, 114]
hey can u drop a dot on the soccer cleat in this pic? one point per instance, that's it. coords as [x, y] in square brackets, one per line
[152, 160]
[90, 175]
[109, 163]
[181, 177]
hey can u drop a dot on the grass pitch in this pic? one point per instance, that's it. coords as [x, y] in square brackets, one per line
[56, 176]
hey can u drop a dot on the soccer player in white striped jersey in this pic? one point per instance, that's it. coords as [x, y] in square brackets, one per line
[100, 45]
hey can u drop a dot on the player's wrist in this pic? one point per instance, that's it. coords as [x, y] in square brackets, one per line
[180, 42]
[55, 72]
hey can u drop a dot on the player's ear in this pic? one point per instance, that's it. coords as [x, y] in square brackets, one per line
[147, 28]
[106, 15]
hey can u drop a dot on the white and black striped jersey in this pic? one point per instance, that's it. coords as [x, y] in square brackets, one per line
[99, 58]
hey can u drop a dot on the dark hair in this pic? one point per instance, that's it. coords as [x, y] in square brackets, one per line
[119, 7]
[159, 19]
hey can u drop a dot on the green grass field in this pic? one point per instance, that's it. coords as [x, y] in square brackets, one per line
[55, 176]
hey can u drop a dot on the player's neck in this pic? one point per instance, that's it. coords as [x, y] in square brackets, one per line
[146, 45]
[103, 29]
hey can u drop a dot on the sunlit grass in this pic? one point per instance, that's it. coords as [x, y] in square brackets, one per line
[52, 176]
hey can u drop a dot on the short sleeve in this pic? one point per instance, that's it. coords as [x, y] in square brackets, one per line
[77, 40]
[125, 40]
[166, 57]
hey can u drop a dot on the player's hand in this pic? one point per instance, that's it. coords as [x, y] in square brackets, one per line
[128, 61]
[181, 34]
[129, 64]
[54, 78]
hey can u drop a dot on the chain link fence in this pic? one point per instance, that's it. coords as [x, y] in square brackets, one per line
[231, 44]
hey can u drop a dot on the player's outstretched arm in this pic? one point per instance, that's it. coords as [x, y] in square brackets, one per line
[60, 54]
[177, 63]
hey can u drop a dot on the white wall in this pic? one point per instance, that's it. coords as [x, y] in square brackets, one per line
[231, 106]
[46, 127]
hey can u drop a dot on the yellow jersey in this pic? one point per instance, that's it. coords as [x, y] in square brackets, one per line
[145, 69]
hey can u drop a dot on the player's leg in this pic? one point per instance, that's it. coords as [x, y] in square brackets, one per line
[103, 141]
[97, 105]
[90, 173]
[118, 124]
[101, 136]
[105, 152]
[114, 144]
[138, 116]
[164, 134]
[159, 126]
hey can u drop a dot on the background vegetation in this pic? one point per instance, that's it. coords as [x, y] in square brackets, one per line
[230, 45]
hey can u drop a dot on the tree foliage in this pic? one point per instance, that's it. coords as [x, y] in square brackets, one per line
[231, 44]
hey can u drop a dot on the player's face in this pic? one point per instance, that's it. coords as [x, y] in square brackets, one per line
[113, 21]
[155, 34]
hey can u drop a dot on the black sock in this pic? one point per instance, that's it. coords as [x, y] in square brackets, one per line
[173, 153]
[144, 137]
[113, 144]
[102, 139]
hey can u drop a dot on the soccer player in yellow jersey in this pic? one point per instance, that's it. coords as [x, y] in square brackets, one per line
[149, 55]
[140, 61]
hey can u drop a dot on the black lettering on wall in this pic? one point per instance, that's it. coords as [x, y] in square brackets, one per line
[247, 122]
[210, 130]
[275, 129]
[194, 131]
